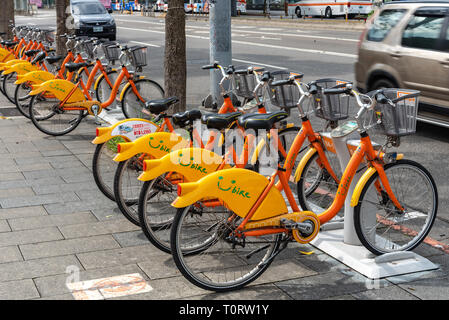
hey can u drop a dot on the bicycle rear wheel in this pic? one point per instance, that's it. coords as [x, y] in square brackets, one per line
[50, 119]
[22, 99]
[209, 255]
[380, 226]
[9, 86]
[148, 89]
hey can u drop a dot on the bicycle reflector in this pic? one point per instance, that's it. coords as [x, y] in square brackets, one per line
[119, 148]
[179, 189]
[144, 166]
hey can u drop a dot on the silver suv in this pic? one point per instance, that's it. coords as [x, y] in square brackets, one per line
[406, 45]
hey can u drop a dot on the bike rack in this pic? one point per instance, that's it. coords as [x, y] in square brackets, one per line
[338, 237]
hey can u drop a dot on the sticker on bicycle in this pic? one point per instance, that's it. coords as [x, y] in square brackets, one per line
[408, 101]
[134, 129]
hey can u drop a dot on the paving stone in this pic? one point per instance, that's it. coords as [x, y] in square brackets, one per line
[168, 288]
[131, 239]
[34, 167]
[97, 228]
[11, 176]
[14, 213]
[29, 236]
[63, 187]
[8, 165]
[58, 152]
[124, 256]
[326, 285]
[16, 192]
[48, 145]
[162, 267]
[10, 254]
[15, 156]
[4, 226]
[39, 174]
[51, 220]
[10, 184]
[79, 206]
[428, 289]
[56, 284]
[106, 214]
[386, 293]
[17, 147]
[18, 290]
[38, 200]
[37, 268]
[260, 292]
[59, 297]
[64, 247]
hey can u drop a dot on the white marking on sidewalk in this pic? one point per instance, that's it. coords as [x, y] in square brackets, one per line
[111, 287]
[146, 44]
[314, 51]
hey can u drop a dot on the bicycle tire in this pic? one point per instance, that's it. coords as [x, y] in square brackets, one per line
[104, 182]
[206, 271]
[24, 108]
[73, 119]
[8, 86]
[132, 106]
[363, 219]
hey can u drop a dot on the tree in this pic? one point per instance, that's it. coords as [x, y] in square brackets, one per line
[175, 66]
[7, 17]
[62, 15]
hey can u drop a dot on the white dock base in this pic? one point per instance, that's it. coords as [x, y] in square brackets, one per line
[371, 266]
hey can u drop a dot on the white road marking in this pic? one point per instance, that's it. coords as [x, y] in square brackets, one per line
[260, 64]
[314, 51]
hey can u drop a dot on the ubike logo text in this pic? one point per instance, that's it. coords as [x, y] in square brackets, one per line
[192, 165]
[158, 145]
[233, 189]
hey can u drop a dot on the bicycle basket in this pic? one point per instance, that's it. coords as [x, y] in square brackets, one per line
[399, 118]
[330, 107]
[139, 56]
[89, 48]
[111, 52]
[244, 83]
[285, 96]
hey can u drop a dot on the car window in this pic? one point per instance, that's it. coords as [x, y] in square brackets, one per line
[88, 8]
[386, 20]
[423, 32]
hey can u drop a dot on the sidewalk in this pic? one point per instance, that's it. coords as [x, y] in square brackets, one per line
[54, 222]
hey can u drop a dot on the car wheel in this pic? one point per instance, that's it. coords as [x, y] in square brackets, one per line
[112, 38]
[328, 13]
[382, 83]
[298, 12]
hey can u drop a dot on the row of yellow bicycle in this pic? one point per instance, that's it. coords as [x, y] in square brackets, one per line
[217, 189]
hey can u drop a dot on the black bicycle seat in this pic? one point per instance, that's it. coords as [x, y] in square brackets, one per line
[160, 105]
[53, 59]
[264, 121]
[184, 118]
[220, 121]
[72, 66]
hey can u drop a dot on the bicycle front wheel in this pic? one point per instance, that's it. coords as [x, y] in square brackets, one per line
[9, 86]
[380, 226]
[49, 118]
[210, 255]
[22, 98]
[132, 106]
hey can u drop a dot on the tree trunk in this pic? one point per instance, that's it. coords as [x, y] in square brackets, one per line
[62, 24]
[175, 54]
[7, 17]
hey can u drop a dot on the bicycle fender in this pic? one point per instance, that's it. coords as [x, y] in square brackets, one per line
[122, 94]
[8, 66]
[360, 184]
[309, 154]
[4, 65]
[60, 89]
[191, 163]
[35, 77]
[156, 144]
[21, 68]
[6, 55]
[129, 129]
[239, 189]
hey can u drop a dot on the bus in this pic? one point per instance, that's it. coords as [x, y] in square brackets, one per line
[241, 6]
[329, 8]
[38, 3]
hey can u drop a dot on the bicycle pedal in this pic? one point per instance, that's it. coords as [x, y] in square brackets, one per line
[305, 228]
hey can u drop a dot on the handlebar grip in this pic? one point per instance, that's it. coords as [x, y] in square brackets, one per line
[381, 98]
[337, 90]
[313, 89]
[282, 82]
[210, 66]
[298, 76]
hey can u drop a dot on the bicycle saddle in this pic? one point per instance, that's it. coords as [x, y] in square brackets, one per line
[31, 53]
[53, 59]
[72, 66]
[184, 118]
[261, 120]
[39, 57]
[160, 105]
[220, 121]
[10, 44]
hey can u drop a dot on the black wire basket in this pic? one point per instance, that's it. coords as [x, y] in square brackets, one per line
[398, 118]
[244, 83]
[111, 52]
[285, 96]
[139, 56]
[331, 107]
[89, 49]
